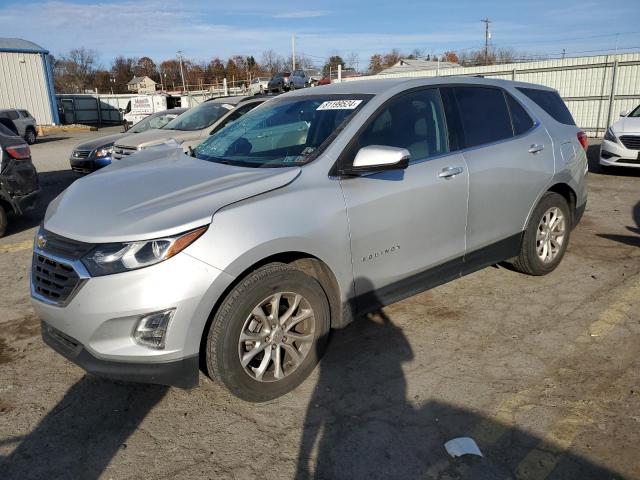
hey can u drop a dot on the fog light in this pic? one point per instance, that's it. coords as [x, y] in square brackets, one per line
[152, 328]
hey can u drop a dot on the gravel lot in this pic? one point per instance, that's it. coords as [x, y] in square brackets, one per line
[542, 372]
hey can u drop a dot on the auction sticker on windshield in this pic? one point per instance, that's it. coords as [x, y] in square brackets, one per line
[339, 105]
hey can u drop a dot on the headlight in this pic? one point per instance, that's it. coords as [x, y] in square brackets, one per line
[610, 136]
[104, 152]
[111, 258]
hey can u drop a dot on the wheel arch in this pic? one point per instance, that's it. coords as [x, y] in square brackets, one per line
[563, 189]
[303, 261]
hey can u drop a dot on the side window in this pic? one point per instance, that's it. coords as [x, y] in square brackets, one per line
[24, 113]
[484, 115]
[414, 121]
[12, 114]
[520, 119]
[551, 103]
[236, 114]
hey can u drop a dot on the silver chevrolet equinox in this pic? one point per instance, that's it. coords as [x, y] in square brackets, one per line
[315, 207]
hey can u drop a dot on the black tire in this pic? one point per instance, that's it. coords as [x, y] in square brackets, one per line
[528, 260]
[3, 221]
[30, 136]
[222, 345]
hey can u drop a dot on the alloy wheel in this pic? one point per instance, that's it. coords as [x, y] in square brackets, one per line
[550, 235]
[277, 337]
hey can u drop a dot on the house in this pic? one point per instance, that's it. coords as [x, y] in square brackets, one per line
[141, 85]
[417, 65]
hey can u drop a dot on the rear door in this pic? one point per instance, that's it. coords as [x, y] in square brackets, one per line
[407, 227]
[510, 160]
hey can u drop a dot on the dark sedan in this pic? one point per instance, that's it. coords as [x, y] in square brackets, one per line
[280, 82]
[18, 177]
[95, 154]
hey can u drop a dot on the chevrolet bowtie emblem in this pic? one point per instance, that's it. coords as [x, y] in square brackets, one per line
[41, 241]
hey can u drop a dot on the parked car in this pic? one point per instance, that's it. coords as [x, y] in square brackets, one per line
[24, 121]
[90, 156]
[280, 82]
[300, 79]
[316, 207]
[18, 177]
[621, 144]
[259, 86]
[189, 129]
[323, 81]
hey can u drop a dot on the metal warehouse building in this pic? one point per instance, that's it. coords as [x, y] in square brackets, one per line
[26, 79]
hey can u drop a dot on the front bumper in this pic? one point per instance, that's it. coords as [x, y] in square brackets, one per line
[181, 373]
[614, 154]
[88, 165]
[101, 316]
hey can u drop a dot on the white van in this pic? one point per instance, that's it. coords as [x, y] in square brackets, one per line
[141, 106]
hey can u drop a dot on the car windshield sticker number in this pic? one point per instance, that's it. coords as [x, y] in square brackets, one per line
[339, 105]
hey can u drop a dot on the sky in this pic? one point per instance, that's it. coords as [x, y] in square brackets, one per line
[206, 29]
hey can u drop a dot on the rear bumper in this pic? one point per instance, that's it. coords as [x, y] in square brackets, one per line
[25, 203]
[182, 373]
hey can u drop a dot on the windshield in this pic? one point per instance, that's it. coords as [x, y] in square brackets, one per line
[153, 121]
[635, 112]
[282, 132]
[199, 117]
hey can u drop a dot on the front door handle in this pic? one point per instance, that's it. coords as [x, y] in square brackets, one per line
[535, 148]
[450, 172]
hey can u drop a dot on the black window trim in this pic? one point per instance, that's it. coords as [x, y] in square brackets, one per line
[335, 169]
[524, 107]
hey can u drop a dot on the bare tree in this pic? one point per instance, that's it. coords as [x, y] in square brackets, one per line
[272, 62]
[74, 71]
[352, 61]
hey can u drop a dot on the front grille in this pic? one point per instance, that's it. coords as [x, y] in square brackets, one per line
[81, 153]
[120, 151]
[631, 141]
[60, 246]
[53, 280]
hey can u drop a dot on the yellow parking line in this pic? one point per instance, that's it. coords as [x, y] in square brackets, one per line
[542, 460]
[16, 247]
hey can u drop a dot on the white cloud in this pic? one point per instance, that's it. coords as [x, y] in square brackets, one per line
[302, 14]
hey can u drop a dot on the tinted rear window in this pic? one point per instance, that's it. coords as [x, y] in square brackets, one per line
[519, 117]
[484, 115]
[551, 103]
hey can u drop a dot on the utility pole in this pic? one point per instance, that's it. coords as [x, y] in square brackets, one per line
[184, 86]
[487, 37]
[293, 51]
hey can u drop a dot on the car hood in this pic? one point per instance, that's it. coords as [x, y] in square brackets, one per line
[626, 125]
[100, 142]
[159, 193]
[157, 136]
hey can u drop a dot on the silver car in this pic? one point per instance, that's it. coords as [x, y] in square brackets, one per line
[308, 211]
[25, 124]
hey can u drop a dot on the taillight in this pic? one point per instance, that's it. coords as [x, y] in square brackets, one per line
[584, 141]
[19, 152]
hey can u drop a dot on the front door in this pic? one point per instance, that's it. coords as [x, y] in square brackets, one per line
[407, 226]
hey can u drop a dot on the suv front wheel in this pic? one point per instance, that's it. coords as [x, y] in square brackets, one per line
[547, 235]
[269, 333]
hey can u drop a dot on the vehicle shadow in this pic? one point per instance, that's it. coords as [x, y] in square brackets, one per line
[52, 138]
[361, 423]
[51, 185]
[80, 436]
[633, 240]
[593, 157]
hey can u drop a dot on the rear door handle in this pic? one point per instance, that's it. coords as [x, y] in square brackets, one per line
[450, 172]
[535, 148]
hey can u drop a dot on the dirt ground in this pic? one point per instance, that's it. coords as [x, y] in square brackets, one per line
[543, 373]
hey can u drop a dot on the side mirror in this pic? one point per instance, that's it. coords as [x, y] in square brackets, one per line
[377, 158]
[624, 113]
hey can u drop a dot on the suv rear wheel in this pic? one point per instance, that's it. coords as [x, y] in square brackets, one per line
[546, 238]
[30, 136]
[269, 333]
